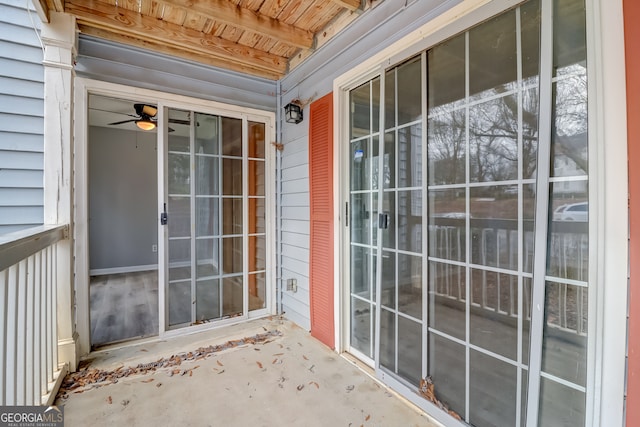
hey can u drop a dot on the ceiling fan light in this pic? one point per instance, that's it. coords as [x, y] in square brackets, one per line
[145, 124]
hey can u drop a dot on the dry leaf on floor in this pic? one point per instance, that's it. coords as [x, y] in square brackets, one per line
[274, 361]
[259, 365]
[159, 385]
[221, 372]
[314, 383]
[278, 354]
[109, 400]
[305, 357]
[219, 363]
[367, 418]
[143, 349]
[147, 381]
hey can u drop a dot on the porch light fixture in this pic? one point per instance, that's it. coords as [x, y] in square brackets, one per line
[292, 113]
[145, 124]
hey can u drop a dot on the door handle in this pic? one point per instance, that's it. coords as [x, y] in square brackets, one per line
[383, 221]
[164, 217]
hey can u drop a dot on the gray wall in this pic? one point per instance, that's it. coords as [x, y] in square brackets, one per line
[123, 217]
[21, 118]
[111, 62]
[373, 31]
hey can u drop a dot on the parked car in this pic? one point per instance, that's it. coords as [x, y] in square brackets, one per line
[572, 212]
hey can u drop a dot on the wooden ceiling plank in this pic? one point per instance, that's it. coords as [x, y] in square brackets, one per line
[104, 16]
[174, 15]
[293, 10]
[272, 8]
[348, 4]
[247, 19]
[180, 53]
[195, 21]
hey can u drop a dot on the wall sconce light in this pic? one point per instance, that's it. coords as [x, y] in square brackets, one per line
[292, 113]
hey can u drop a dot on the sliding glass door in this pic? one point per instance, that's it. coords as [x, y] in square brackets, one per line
[468, 203]
[216, 238]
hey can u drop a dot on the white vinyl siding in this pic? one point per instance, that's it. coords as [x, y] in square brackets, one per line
[294, 227]
[21, 118]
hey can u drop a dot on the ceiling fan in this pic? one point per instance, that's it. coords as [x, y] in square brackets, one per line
[144, 119]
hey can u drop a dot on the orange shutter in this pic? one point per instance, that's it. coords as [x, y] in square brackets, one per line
[321, 204]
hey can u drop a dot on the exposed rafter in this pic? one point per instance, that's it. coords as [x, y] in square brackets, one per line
[42, 8]
[266, 38]
[151, 30]
[348, 4]
[227, 13]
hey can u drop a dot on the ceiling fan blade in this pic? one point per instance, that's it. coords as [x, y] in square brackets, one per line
[119, 123]
[180, 122]
[113, 112]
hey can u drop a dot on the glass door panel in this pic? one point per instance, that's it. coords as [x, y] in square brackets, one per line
[179, 209]
[216, 204]
[401, 276]
[461, 313]
[363, 215]
[257, 255]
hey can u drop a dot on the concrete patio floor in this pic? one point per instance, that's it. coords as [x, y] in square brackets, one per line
[290, 379]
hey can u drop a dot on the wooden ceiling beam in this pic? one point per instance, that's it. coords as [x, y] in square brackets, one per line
[42, 8]
[56, 5]
[131, 24]
[352, 5]
[226, 12]
[179, 53]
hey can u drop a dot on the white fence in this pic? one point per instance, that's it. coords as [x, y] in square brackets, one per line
[495, 243]
[28, 323]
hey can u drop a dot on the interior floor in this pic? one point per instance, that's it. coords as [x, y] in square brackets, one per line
[123, 306]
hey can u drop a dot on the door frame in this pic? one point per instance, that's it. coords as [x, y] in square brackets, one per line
[82, 88]
[608, 180]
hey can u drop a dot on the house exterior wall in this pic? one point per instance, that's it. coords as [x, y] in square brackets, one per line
[116, 63]
[313, 79]
[373, 31]
[21, 118]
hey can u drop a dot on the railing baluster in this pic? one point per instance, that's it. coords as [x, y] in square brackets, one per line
[37, 331]
[12, 325]
[30, 356]
[4, 290]
[54, 312]
[50, 324]
[44, 341]
[21, 342]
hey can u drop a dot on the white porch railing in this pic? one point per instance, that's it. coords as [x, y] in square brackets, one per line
[28, 322]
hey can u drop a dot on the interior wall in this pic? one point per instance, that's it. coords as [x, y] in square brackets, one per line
[123, 188]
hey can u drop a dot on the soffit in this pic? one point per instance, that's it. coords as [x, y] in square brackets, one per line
[264, 38]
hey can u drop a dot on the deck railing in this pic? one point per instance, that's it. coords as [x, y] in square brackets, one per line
[494, 242]
[28, 323]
